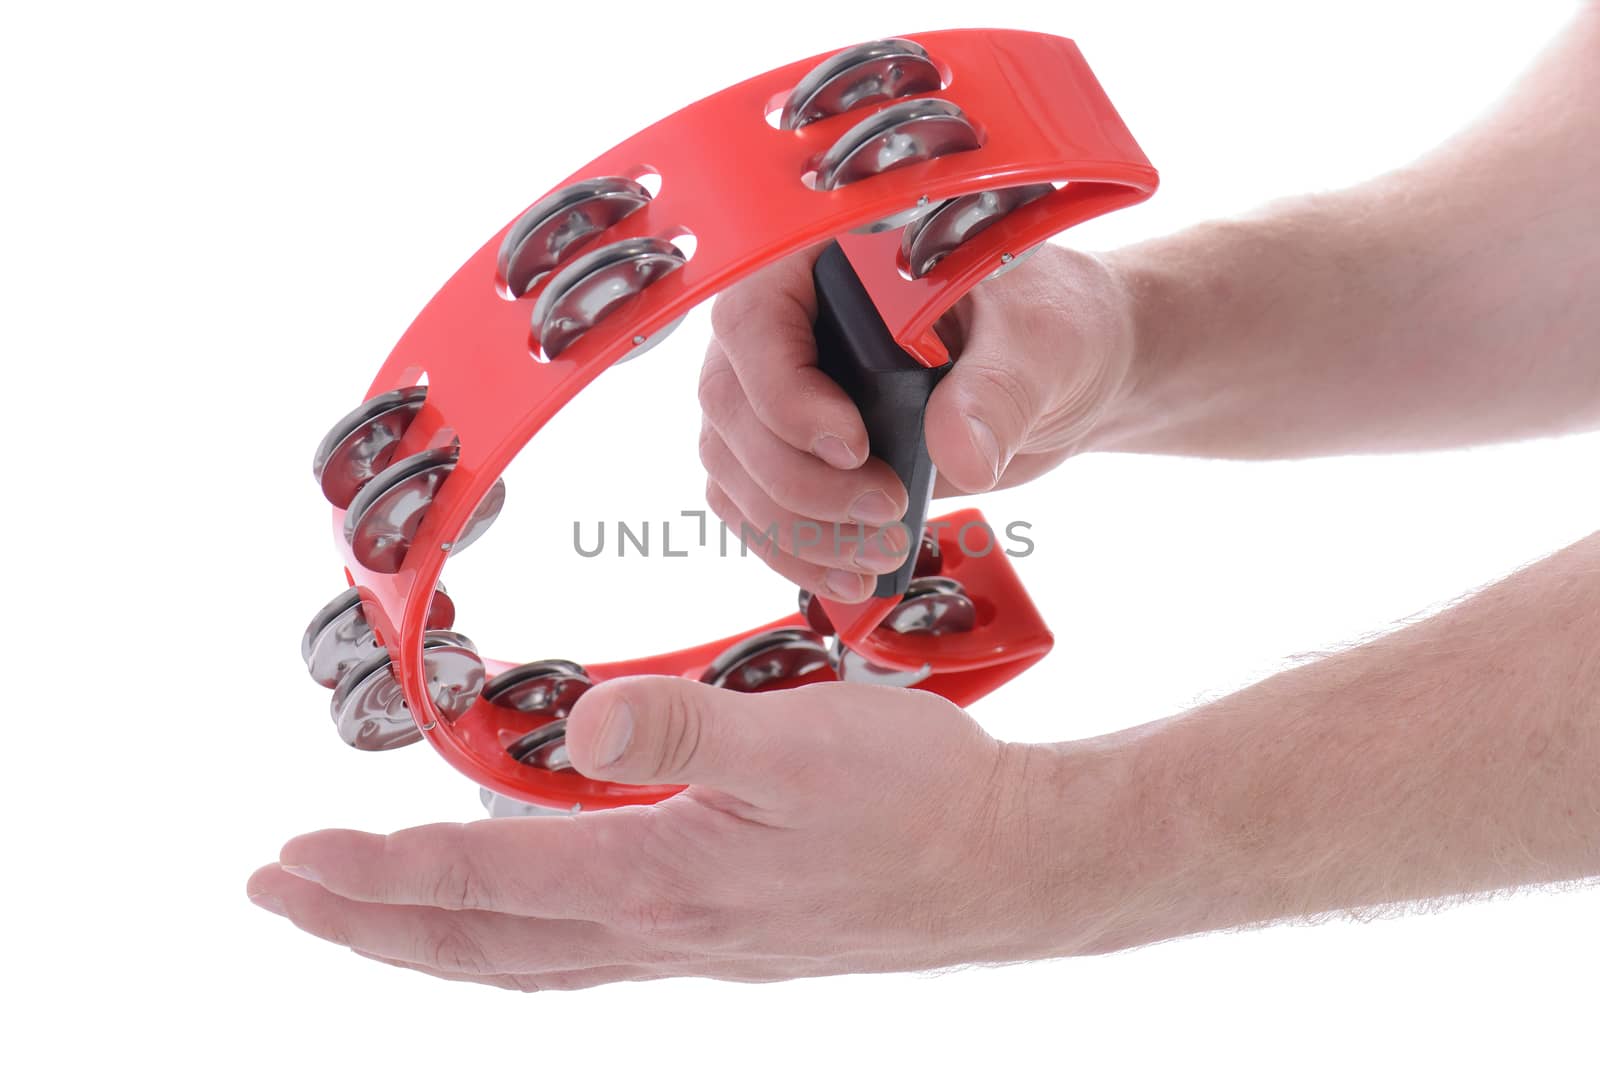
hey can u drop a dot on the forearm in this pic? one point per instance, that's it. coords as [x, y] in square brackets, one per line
[1452, 302]
[1458, 756]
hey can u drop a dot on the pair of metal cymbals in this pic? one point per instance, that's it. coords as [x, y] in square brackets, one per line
[369, 707]
[385, 499]
[339, 636]
[545, 242]
[546, 688]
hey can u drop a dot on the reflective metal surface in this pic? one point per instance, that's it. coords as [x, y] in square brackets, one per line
[933, 237]
[360, 445]
[932, 605]
[852, 667]
[498, 805]
[543, 747]
[595, 285]
[869, 73]
[482, 517]
[557, 225]
[547, 687]
[385, 515]
[770, 657]
[454, 671]
[335, 644]
[911, 131]
[369, 708]
[339, 637]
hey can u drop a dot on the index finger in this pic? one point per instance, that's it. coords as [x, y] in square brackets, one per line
[552, 867]
[763, 324]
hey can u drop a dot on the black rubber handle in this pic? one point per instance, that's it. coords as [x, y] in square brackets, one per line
[856, 350]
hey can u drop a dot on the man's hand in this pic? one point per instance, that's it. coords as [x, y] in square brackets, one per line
[1045, 352]
[837, 828]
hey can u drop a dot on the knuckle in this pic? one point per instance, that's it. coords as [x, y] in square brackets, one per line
[680, 734]
[1003, 386]
[719, 391]
[727, 312]
[455, 950]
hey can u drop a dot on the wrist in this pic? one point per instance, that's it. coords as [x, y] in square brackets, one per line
[1111, 856]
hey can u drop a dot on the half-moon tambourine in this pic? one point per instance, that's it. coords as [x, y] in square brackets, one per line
[924, 165]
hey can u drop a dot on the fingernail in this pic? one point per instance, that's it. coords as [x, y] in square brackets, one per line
[884, 551]
[873, 507]
[833, 451]
[305, 872]
[270, 903]
[987, 445]
[614, 736]
[846, 586]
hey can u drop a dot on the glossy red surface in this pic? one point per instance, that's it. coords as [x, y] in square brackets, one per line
[1042, 117]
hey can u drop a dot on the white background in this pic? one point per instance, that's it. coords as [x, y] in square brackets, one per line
[217, 218]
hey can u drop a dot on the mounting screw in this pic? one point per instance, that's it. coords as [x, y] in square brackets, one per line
[638, 339]
[446, 546]
[1006, 257]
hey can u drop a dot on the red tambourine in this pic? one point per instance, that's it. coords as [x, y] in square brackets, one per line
[927, 164]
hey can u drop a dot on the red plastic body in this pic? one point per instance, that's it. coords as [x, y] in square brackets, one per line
[1041, 116]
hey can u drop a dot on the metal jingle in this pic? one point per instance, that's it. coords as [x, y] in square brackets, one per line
[811, 608]
[1008, 262]
[852, 667]
[642, 345]
[943, 230]
[454, 672]
[384, 516]
[933, 605]
[597, 283]
[369, 707]
[912, 131]
[360, 445]
[560, 223]
[482, 517]
[770, 657]
[339, 637]
[547, 687]
[543, 747]
[870, 73]
[498, 805]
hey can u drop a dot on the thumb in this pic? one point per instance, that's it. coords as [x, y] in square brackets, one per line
[665, 729]
[979, 416]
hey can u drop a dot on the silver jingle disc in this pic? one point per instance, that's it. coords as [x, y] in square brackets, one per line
[772, 656]
[482, 517]
[339, 637]
[595, 285]
[384, 516]
[550, 687]
[933, 605]
[454, 671]
[369, 708]
[557, 225]
[912, 131]
[870, 73]
[498, 805]
[543, 747]
[852, 667]
[642, 345]
[360, 445]
[1011, 263]
[940, 232]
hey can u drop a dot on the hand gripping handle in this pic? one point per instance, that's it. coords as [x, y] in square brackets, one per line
[856, 349]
